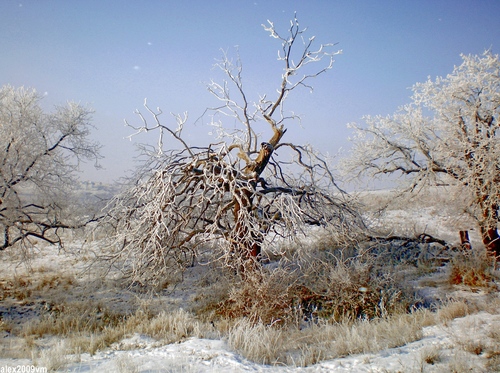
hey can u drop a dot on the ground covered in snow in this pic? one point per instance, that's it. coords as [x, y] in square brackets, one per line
[461, 340]
[141, 354]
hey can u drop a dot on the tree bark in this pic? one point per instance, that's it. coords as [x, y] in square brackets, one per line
[465, 240]
[491, 240]
[489, 231]
[248, 243]
[245, 245]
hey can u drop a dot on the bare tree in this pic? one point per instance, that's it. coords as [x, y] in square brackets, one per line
[448, 134]
[234, 192]
[39, 155]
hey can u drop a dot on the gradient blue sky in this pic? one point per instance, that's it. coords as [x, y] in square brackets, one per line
[112, 54]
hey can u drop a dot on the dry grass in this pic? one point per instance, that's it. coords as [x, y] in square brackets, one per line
[327, 285]
[454, 309]
[272, 319]
[323, 340]
[328, 303]
[290, 345]
[88, 326]
[173, 327]
[357, 288]
[54, 358]
[266, 297]
[257, 342]
[89, 329]
[87, 318]
[474, 268]
[430, 355]
[5, 326]
[24, 287]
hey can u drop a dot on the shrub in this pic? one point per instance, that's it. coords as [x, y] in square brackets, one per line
[263, 296]
[472, 268]
[318, 287]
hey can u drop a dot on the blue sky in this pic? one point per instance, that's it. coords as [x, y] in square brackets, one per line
[112, 54]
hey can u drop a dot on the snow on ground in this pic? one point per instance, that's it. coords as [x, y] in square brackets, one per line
[138, 353]
[200, 355]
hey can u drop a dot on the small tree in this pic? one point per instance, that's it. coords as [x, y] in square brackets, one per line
[450, 133]
[39, 155]
[234, 191]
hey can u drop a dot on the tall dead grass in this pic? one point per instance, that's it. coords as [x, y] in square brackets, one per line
[321, 287]
[88, 319]
[319, 302]
[89, 329]
[324, 340]
[262, 296]
[291, 345]
[299, 339]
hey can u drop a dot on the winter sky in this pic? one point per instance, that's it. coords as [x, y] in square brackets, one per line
[111, 54]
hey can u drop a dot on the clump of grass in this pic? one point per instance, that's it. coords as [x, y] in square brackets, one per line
[319, 306]
[54, 358]
[262, 296]
[431, 355]
[172, 327]
[473, 268]
[454, 309]
[356, 288]
[326, 288]
[257, 342]
[274, 344]
[475, 347]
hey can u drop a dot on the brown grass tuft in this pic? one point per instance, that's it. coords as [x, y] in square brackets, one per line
[266, 297]
[326, 289]
[473, 268]
[274, 344]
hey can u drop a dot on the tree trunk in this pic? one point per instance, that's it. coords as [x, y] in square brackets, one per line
[491, 240]
[489, 231]
[465, 240]
[249, 243]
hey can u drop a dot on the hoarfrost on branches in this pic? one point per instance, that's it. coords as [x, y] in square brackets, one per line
[449, 134]
[40, 154]
[235, 192]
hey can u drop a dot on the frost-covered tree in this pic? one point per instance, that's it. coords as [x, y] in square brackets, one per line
[39, 155]
[450, 133]
[234, 192]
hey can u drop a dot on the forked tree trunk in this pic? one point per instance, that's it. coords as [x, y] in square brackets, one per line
[248, 246]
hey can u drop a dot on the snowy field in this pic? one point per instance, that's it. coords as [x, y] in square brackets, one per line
[462, 342]
[141, 354]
